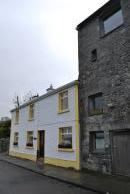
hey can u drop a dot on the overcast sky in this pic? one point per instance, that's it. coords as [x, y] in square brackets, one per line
[38, 45]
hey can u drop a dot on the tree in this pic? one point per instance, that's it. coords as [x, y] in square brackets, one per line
[5, 128]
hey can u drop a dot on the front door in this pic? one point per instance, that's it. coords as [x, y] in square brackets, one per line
[121, 152]
[41, 144]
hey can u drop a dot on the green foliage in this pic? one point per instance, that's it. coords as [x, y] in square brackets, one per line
[5, 128]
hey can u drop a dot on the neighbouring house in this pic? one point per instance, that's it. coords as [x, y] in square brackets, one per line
[4, 119]
[104, 88]
[48, 127]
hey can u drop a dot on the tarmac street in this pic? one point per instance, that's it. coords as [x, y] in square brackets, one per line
[15, 180]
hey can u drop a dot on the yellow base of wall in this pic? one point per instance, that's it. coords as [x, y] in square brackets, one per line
[48, 160]
[62, 163]
[23, 155]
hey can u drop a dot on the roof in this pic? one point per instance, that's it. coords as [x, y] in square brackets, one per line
[64, 87]
[108, 5]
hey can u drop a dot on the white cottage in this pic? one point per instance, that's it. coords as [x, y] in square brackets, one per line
[47, 127]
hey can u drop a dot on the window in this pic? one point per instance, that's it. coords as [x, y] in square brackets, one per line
[16, 137]
[31, 111]
[63, 101]
[95, 104]
[94, 55]
[97, 142]
[29, 139]
[113, 21]
[17, 116]
[65, 137]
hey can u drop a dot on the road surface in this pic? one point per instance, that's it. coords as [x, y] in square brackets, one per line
[15, 180]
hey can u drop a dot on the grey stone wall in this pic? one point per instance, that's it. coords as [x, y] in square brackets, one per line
[110, 74]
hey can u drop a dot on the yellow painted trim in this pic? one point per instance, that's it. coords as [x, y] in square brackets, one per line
[61, 163]
[65, 150]
[38, 140]
[23, 155]
[77, 127]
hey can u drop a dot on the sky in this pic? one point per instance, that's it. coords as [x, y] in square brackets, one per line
[38, 45]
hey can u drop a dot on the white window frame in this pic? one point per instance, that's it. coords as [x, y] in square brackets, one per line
[28, 142]
[63, 96]
[62, 132]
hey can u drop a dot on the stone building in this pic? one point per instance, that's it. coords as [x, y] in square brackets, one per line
[104, 89]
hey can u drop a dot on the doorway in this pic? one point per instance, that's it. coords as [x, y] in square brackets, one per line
[121, 152]
[41, 147]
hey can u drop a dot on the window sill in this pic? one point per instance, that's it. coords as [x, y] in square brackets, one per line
[94, 60]
[65, 150]
[16, 123]
[98, 152]
[95, 114]
[15, 146]
[31, 119]
[29, 147]
[63, 111]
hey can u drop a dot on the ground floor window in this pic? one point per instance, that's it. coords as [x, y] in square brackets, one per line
[16, 137]
[97, 142]
[29, 139]
[65, 137]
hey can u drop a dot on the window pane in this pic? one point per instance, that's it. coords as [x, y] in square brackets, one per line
[91, 104]
[113, 21]
[95, 104]
[64, 100]
[98, 103]
[30, 137]
[64, 130]
[100, 143]
[31, 111]
[64, 103]
[15, 139]
[66, 138]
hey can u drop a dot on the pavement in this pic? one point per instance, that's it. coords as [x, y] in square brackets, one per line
[95, 182]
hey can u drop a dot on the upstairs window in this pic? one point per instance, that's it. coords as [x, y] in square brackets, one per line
[95, 104]
[113, 21]
[65, 137]
[17, 116]
[63, 101]
[16, 137]
[97, 142]
[29, 139]
[31, 111]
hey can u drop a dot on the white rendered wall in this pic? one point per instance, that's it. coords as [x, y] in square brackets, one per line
[46, 118]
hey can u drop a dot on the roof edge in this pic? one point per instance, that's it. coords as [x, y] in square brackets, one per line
[96, 13]
[68, 85]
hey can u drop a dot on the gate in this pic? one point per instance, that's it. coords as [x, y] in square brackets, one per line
[121, 152]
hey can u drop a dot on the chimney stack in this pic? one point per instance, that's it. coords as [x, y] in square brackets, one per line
[50, 89]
